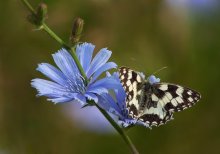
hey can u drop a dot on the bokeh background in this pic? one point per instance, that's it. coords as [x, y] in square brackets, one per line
[145, 35]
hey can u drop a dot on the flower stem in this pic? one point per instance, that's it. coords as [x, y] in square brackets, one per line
[28, 5]
[119, 130]
[72, 50]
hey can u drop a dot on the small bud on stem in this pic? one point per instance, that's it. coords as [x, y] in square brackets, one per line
[39, 17]
[76, 30]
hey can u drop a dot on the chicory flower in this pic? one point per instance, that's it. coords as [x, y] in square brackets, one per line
[67, 84]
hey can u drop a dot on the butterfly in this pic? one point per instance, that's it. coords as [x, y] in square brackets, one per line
[151, 101]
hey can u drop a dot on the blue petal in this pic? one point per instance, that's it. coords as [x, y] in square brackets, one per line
[80, 98]
[120, 97]
[91, 96]
[67, 65]
[47, 88]
[52, 73]
[107, 103]
[100, 59]
[120, 92]
[60, 99]
[103, 68]
[84, 53]
[102, 84]
[153, 79]
[97, 90]
[52, 90]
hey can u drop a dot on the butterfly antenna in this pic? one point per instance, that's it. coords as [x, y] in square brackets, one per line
[157, 71]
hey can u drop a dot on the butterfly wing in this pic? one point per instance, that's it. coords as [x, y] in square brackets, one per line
[165, 99]
[175, 98]
[131, 82]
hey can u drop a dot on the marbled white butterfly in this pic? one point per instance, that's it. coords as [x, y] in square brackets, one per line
[153, 102]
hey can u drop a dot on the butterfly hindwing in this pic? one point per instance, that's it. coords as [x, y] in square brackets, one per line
[154, 119]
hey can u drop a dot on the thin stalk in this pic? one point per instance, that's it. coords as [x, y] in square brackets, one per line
[119, 130]
[72, 50]
[28, 5]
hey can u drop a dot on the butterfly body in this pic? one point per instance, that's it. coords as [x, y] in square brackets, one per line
[153, 102]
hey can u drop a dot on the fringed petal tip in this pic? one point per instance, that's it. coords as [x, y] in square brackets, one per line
[132, 122]
[84, 53]
[126, 123]
[91, 96]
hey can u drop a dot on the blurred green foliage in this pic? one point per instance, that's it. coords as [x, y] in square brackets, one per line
[144, 35]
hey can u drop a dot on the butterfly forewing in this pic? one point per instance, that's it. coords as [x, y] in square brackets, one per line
[131, 82]
[175, 97]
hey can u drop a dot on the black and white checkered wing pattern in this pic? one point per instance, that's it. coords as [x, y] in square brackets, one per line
[165, 100]
[154, 103]
[131, 82]
[173, 97]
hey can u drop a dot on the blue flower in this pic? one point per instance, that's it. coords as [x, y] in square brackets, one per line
[68, 84]
[116, 105]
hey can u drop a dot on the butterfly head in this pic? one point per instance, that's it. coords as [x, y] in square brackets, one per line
[152, 79]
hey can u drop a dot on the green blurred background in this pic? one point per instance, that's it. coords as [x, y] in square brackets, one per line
[145, 35]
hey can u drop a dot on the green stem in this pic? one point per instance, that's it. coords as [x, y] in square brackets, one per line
[28, 5]
[119, 130]
[72, 50]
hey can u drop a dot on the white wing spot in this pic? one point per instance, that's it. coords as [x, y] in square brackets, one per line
[169, 96]
[134, 85]
[161, 103]
[179, 91]
[165, 100]
[122, 77]
[130, 88]
[179, 99]
[128, 83]
[138, 78]
[190, 99]
[189, 92]
[154, 123]
[154, 98]
[129, 76]
[163, 87]
[174, 102]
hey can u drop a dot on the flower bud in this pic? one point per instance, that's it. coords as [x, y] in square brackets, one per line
[39, 17]
[41, 13]
[76, 30]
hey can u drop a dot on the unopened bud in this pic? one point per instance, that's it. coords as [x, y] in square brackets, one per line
[39, 17]
[41, 13]
[77, 30]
